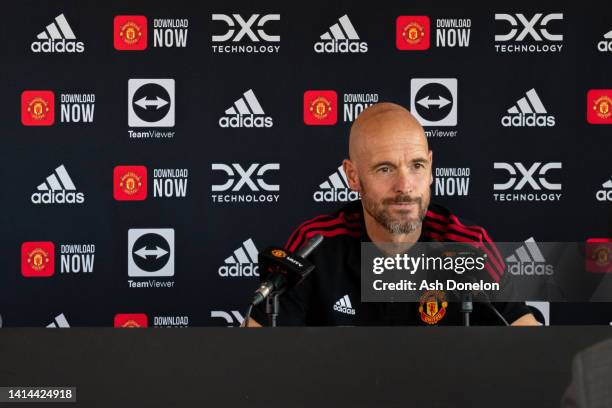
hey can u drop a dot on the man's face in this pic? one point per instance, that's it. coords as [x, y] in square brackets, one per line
[394, 177]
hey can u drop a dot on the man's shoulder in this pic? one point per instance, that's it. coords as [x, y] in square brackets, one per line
[345, 223]
[441, 224]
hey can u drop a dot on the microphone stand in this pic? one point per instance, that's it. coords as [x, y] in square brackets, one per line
[272, 308]
[466, 307]
[283, 270]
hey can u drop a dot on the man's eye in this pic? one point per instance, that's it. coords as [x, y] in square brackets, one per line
[419, 165]
[384, 169]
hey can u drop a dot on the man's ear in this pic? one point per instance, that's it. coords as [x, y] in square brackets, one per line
[430, 167]
[351, 174]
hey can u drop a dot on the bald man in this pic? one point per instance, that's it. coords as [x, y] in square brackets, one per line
[390, 165]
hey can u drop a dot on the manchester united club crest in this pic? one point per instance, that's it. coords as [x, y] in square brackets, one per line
[599, 106]
[599, 255]
[413, 33]
[37, 259]
[130, 33]
[37, 108]
[602, 256]
[432, 306]
[130, 183]
[320, 107]
[279, 253]
[602, 107]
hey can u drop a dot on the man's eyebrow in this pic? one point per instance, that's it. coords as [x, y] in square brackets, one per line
[388, 163]
[384, 163]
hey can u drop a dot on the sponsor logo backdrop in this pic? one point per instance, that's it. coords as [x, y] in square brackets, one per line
[149, 151]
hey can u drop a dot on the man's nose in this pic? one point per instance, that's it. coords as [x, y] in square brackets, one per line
[403, 182]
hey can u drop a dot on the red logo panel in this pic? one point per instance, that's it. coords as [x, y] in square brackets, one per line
[37, 108]
[131, 320]
[412, 33]
[320, 107]
[130, 183]
[130, 33]
[599, 106]
[599, 255]
[37, 259]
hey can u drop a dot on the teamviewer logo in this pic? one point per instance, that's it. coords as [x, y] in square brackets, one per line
[150, 252]
[151, 102]
[433, 101]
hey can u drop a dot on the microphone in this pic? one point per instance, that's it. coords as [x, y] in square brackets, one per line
[480, 296]
[466, 297]
[281, 270]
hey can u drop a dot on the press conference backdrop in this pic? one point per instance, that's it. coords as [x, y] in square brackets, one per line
[149, 149]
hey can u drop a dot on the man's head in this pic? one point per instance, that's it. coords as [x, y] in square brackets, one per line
[390, 165]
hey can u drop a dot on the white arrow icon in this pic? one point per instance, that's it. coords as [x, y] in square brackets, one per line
[426, 102]
[144, 102]
[144, 252]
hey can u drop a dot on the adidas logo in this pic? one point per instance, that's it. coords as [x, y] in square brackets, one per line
[344, 306]
[606, 44]
[58, 189]
[59, 322]
[242, 263]
[336, 189]
[246, 113]
[606, 193]
[528, 112]
[341, 38]
[57, 37]
[528, 260]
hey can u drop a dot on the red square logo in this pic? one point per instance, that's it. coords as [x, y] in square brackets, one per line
[599, 255]
[320, 107]
[412, 33]
[37, 259]
[131, 320]
[599, 106]
[130, 33]
[130, 183]
[37, 108]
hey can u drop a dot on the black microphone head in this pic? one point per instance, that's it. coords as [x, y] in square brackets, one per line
[310, 245]
[275, 261]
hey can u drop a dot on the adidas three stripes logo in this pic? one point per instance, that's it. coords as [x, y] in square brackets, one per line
[247, 105]
[347, 32]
